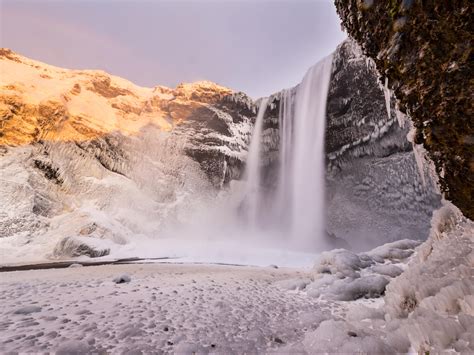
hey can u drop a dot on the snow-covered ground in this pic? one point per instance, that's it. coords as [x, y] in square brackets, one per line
[427, 304]
[164, 307]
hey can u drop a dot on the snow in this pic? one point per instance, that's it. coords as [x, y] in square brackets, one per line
[418, 313]
[93, 202]
[166, 307]
[28, 310]
[339, 336]
[400, 249]
[387, 270]
[346, 276]
[372, 286]
[25, 76]
[399, 297]
[343, 304]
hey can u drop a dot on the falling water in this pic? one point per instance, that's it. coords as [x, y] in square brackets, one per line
[298, 202]
[252, 172]
[285, 123]
[307, 155]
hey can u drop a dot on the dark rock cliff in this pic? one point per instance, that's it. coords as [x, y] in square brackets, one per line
[218, 136]
[424, 50]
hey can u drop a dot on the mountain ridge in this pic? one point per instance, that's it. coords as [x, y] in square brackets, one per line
[43, 102]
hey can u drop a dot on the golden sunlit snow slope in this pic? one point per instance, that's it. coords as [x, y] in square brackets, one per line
[42, 102]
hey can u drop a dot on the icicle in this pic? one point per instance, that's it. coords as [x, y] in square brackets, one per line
[418, 151]
[386, 93]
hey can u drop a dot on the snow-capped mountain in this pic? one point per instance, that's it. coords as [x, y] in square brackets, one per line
[84, 153]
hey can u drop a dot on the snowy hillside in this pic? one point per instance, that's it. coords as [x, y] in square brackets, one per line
[86, 154]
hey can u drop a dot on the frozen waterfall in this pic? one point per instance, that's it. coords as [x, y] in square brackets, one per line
[296, 207]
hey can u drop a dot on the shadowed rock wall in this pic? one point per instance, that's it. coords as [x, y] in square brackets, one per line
[424, 49]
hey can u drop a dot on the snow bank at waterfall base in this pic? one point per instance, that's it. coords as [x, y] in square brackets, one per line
[428, 308]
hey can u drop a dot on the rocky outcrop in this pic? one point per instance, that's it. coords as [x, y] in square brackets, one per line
[218, 136]
[93, 108]
[423, 50]
[74, 247]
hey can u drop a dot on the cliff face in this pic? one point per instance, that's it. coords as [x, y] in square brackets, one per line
[41, 103]
[376, 191]
[424, 51]
[86, 154]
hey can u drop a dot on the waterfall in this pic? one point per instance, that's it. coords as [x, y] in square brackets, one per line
[296, 207]
[253, 169]
[285, 124]
[307, 185]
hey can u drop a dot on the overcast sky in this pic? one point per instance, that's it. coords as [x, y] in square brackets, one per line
[255, 46]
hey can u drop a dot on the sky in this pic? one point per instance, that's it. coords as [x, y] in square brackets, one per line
[255, 46]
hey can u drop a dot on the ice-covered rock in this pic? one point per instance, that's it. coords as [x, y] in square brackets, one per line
[372, 171]
[342, 263]
[371, 286]
[74, 247]
[344, 275]
[427, 303]
[387, 270]
[399, 250]
[447, 257]
[347, 289]
[122, 279]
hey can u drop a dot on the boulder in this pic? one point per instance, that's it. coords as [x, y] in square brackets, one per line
[75, 246]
